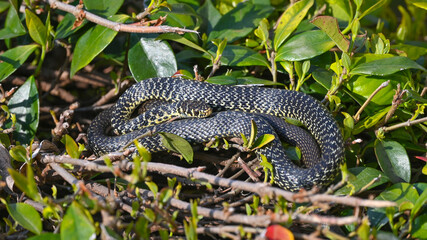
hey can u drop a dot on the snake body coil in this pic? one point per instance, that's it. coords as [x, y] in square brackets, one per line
[275, 102]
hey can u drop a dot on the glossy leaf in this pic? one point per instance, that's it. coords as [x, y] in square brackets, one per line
[13, 58]
[360, 177]
[290, 20]
[19, 153]
[26, 215]
[304, 46]
[393, 160]
[104, 8]
[71, 146]
[241, 56]
[329, 25]
[240, 21]
[210, 16]
[151, 58]
[177, 144]
[25, 105]
[386, 66]
[92, 43]
[75, 224]
[362, 86]
[12, 25]
[263, 140]
[35, 27]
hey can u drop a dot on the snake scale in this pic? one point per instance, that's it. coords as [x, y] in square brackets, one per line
[318, 170]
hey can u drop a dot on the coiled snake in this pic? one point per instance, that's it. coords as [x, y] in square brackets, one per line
[275, 102]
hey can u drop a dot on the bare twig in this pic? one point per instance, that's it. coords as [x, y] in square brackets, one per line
[405, 124]
[119, 27]
[260, 188]
[356, 117]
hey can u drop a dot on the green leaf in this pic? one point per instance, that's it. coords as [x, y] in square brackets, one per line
[340, 9]
[180, 39]
[360, 177]
[12, 26]
[26, 184]
[19, 153]
[25, 105]
[75, 224]
[177, 144]
[26, 215]
[386, 66]
[183, 16]
[153, 188]
[92, 43]
[155, 56]
[304, 46]
[421, 201]
[71, 146]
[263, 140]
[362, 86]
[210, 16]
[13, 58]
[290, 20]
[45, 236]
[240, 21]
[240, 56]
[420, 3]
[36, 28]
[393, 160]
[104, 8]
[329, 25]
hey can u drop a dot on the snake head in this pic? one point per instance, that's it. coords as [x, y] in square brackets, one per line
[194, 109]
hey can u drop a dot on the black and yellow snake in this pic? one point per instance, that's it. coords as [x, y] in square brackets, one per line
[318, 171]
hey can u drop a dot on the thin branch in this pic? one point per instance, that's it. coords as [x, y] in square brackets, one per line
[356, 117]
[259, 188]
[119, 27]
[405, 124]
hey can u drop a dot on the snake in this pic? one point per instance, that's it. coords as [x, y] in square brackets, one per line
[235, 107]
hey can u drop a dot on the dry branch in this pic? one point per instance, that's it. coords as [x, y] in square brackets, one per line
[119, 27]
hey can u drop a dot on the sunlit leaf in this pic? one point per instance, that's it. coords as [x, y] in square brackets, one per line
[239, 22]
[290, 20]
[386, 66]
[329, 25]
[151, 58]
[13, 58]
[304, 46]
[25, 105]
[92, 43]
[177, 144]
[26, 215]
[75, 225]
